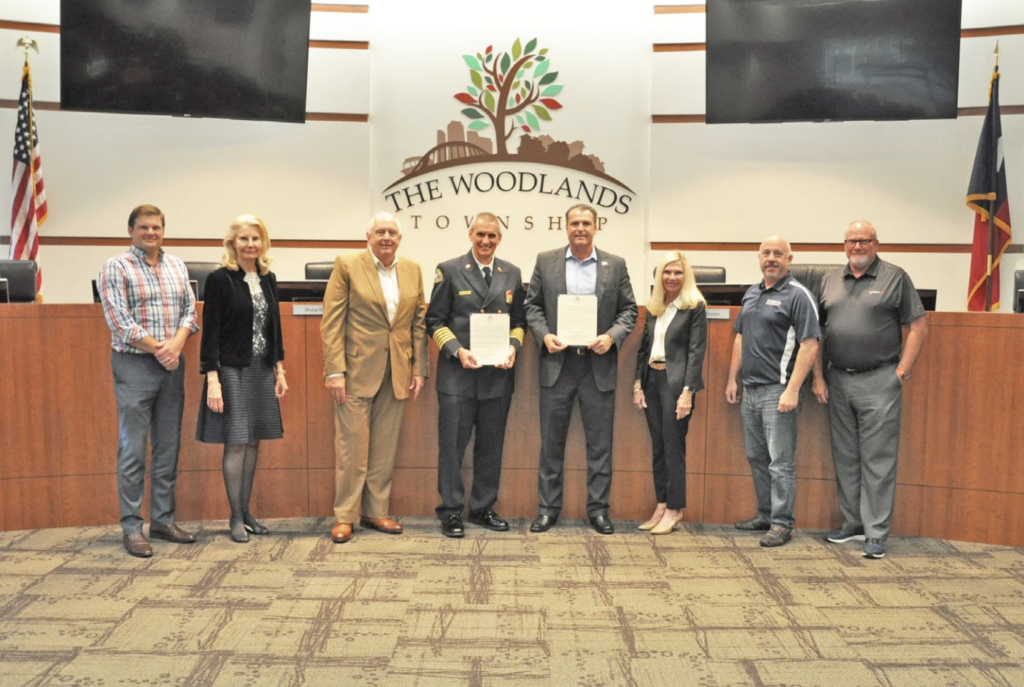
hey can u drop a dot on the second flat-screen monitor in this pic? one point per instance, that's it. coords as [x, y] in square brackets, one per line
[236, 59]
[816, 60]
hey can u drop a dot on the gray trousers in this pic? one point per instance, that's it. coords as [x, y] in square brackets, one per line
[864, 421]
[770, 439]
[598, 410]
[150, 401]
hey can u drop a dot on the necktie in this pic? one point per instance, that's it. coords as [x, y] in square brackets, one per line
[487, 275]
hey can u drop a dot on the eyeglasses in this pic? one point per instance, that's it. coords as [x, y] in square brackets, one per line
[859, 242]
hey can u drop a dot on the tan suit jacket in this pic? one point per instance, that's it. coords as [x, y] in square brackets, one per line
[357, 336]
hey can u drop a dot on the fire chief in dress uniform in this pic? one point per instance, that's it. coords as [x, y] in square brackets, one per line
[470, 394]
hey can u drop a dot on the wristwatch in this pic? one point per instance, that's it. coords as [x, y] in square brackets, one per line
[905, 375]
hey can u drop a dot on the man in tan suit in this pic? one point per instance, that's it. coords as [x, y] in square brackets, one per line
[375, 357]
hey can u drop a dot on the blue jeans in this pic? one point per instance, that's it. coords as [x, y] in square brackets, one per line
[770, 438]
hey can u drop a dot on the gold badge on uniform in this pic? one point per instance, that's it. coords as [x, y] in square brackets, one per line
[438, 276]
[508, 296]
[465, 293]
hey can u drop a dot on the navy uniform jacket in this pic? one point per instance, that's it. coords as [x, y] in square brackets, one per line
[459, 291]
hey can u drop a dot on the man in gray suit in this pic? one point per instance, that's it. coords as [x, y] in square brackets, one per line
[587, 371]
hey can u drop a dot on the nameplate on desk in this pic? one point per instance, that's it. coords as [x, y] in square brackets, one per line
[299, 309]
[717, 313]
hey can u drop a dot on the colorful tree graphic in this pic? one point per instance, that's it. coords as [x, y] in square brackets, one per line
[512, 85]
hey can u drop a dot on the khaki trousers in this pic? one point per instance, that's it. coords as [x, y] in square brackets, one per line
[365, 444]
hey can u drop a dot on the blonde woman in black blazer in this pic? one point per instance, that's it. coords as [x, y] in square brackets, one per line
[668, 375]
[242, 357]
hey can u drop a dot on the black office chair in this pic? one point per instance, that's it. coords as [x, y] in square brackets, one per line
[708, 275]
[1018, 286]
[21, 279]
[810, 274]
[319, 270]
[199, 271]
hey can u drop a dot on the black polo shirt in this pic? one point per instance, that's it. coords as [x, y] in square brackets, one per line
[864, 316]
[773, 321]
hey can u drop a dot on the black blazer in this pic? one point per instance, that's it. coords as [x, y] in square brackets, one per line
[685, 343]
[227, 321]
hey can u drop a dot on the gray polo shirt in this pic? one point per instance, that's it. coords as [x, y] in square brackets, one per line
[773, 322]
[864, 316]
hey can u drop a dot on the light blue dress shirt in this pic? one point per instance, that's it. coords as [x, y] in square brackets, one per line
[581, 275]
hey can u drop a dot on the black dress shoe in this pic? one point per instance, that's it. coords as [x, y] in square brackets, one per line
[253, 525]
[452, 527]
[602, 525]
[489, 519]
[543, 523]
[239, 532]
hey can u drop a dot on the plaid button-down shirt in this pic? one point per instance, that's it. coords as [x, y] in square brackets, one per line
[142, 300]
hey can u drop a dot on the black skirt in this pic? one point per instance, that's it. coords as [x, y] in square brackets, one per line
[251, 409]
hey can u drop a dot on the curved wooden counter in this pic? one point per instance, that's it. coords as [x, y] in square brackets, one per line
[958, 475]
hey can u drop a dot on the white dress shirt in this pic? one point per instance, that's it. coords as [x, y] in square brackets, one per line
[660, 328]
[388, 284]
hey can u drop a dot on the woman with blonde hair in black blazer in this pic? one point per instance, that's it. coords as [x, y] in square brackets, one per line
[669, 371]
[242, 357]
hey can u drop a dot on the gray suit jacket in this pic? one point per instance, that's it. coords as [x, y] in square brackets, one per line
[616, 312]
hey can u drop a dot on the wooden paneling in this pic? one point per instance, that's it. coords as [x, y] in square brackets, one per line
[960, 514]
[748, 247]
[354, 9]
[119, 242]
[958, 475]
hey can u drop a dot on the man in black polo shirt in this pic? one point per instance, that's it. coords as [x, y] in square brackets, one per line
[864, 308]
[775, 348]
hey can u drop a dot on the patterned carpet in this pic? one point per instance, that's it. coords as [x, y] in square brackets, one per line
[705, 606]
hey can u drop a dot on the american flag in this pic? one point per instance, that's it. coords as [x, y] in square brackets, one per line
[28, 196]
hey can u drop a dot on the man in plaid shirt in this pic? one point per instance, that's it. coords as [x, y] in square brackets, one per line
[150, 310]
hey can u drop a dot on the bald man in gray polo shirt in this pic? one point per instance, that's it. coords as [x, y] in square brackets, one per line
[860, 375]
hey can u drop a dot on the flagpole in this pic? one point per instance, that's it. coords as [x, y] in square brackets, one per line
[992, 201]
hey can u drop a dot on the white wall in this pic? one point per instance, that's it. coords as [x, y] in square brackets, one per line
[807, 181]
[307, 181]
[697, 183]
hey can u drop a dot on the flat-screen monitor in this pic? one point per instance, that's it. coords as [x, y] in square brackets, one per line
[236, 59]
[811, 60]
[300, 291]
[732, 294]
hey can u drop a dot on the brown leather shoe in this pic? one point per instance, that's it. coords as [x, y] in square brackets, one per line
[172, 534]
[385, 525]
[341, 533]
[136, 545]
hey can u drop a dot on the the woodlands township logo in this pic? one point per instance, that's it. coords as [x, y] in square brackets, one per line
[509, 98]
